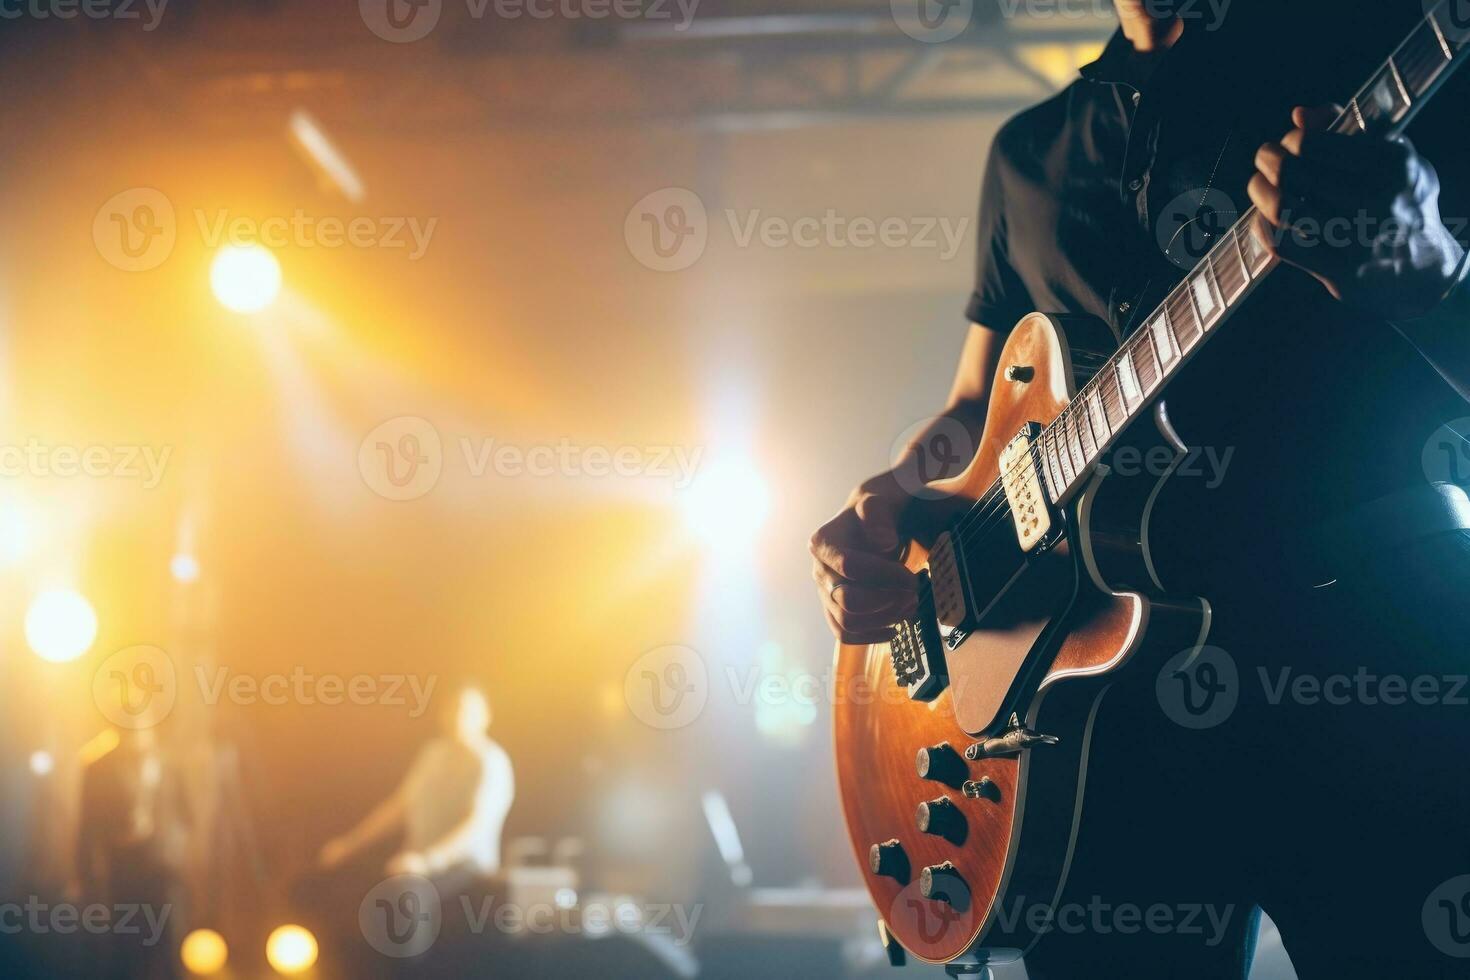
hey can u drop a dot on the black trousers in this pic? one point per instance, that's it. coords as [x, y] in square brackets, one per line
[1317, 771]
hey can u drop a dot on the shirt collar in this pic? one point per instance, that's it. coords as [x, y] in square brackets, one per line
[1121, 64]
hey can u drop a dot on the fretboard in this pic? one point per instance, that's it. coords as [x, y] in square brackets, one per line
[1131, 380]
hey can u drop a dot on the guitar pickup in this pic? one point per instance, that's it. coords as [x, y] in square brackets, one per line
[947, 583]
[1020, 477]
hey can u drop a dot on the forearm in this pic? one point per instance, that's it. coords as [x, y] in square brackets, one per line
[944, 447]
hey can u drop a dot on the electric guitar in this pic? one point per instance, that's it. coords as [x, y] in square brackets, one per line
[963, 769]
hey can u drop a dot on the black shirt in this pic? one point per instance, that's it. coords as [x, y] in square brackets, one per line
[1321, 408]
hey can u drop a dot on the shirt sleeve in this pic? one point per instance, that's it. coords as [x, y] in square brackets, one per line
[999, 299]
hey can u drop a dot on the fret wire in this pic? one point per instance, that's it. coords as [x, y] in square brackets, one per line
[1116, 399]
[1444, 42]
[1074, 440]
[1049, 442]
[1086, 438]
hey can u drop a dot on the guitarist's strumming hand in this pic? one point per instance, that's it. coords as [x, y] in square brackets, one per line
[1360, 214]
[855, 559]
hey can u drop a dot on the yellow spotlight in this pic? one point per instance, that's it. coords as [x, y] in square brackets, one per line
[42, 763]
[60, 625]
[727, 503]
[204, 951]
[245, 278]
[291, 950]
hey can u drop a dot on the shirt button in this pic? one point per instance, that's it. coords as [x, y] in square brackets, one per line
[1135, 185]
[1124, 307]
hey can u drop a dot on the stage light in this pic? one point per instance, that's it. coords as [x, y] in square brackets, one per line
[291, 949]
[204, 951]
[727, 503]
[60, 625]
[245, 278]
[42, 763]
[185, 568]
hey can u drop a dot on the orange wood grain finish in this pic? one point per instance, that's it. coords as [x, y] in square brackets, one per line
[879, 729]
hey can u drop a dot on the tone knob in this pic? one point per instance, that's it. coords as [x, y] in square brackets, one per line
[942, 764]
[942, 883]
[888, 860]
[942, 819]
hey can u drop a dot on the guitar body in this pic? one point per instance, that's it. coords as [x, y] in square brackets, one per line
[1061, 622]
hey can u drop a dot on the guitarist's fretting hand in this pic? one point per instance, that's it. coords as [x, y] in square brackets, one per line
[1368, 212]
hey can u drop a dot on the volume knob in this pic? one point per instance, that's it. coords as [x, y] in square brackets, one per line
[942, 883]
[942, 764]
[942, 819]
[888, 860]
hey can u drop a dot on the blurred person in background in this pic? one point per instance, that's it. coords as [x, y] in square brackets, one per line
[132, 831]
[451, 806]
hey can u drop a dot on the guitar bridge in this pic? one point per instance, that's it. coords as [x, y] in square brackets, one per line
[917, 652]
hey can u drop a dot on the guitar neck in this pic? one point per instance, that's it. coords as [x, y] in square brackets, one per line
[1131, 380]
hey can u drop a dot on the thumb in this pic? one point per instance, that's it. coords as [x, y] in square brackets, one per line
[879, 515]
